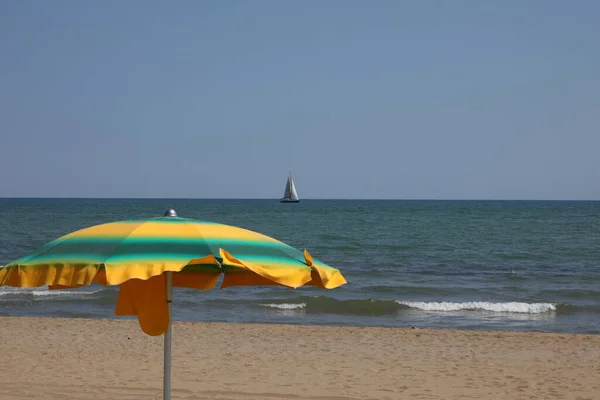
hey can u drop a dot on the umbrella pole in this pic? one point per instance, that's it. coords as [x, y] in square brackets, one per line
[167, 365]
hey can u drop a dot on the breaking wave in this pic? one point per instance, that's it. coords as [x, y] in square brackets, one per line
[511, 307]
[45, 293]
[285, 306]
[323, 304]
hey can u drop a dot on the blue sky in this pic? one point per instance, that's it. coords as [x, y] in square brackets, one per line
[382, 99]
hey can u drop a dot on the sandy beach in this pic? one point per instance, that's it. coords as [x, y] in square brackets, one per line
[112, 359]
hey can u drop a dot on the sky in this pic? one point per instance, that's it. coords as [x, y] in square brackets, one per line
[359, 99]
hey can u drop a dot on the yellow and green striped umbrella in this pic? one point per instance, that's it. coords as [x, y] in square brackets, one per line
[134, 254]
[147, 257]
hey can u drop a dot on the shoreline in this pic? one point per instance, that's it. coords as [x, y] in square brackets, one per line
[279, 323]
[282, 324]
[82, 358]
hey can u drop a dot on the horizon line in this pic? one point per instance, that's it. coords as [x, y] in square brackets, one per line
[277, 199]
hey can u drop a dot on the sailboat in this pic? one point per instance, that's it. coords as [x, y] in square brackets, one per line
[290, 195]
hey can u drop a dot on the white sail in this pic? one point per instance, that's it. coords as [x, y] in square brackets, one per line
[290, 193]
[294, 194]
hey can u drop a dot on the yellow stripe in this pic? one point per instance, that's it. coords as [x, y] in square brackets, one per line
[114, 229]
[230, 232]
[152, 229]
[78, 274]
[291, 275]
[52, 274]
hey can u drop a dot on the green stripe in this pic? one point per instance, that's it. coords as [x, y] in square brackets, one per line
[150, 247]
[65, 259]
[127, 247]
[149, 258]
[61, 260]
[266, 260]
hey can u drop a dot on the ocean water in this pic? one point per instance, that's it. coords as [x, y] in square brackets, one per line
[493, 265]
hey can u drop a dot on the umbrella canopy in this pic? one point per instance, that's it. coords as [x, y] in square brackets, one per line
[147, 257]
[135, 253]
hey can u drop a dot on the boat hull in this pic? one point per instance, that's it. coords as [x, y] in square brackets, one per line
[289, 201]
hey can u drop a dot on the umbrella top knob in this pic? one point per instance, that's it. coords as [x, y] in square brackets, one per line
[170, 213]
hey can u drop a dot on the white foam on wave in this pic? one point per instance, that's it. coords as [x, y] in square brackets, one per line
[64, 292]
[511, 307]
[45, 293]
[285, 306]
[9, 291]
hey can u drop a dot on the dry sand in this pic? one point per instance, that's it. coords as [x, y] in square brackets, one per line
[43, 358]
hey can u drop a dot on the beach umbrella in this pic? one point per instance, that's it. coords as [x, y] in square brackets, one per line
[147, 257]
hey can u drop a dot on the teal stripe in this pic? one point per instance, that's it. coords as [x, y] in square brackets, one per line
[59, 260]
[99, 259]
[152, 247]
[149, 258]
[266, 260]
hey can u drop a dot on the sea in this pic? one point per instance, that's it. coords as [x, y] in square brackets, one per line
[478, 265]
